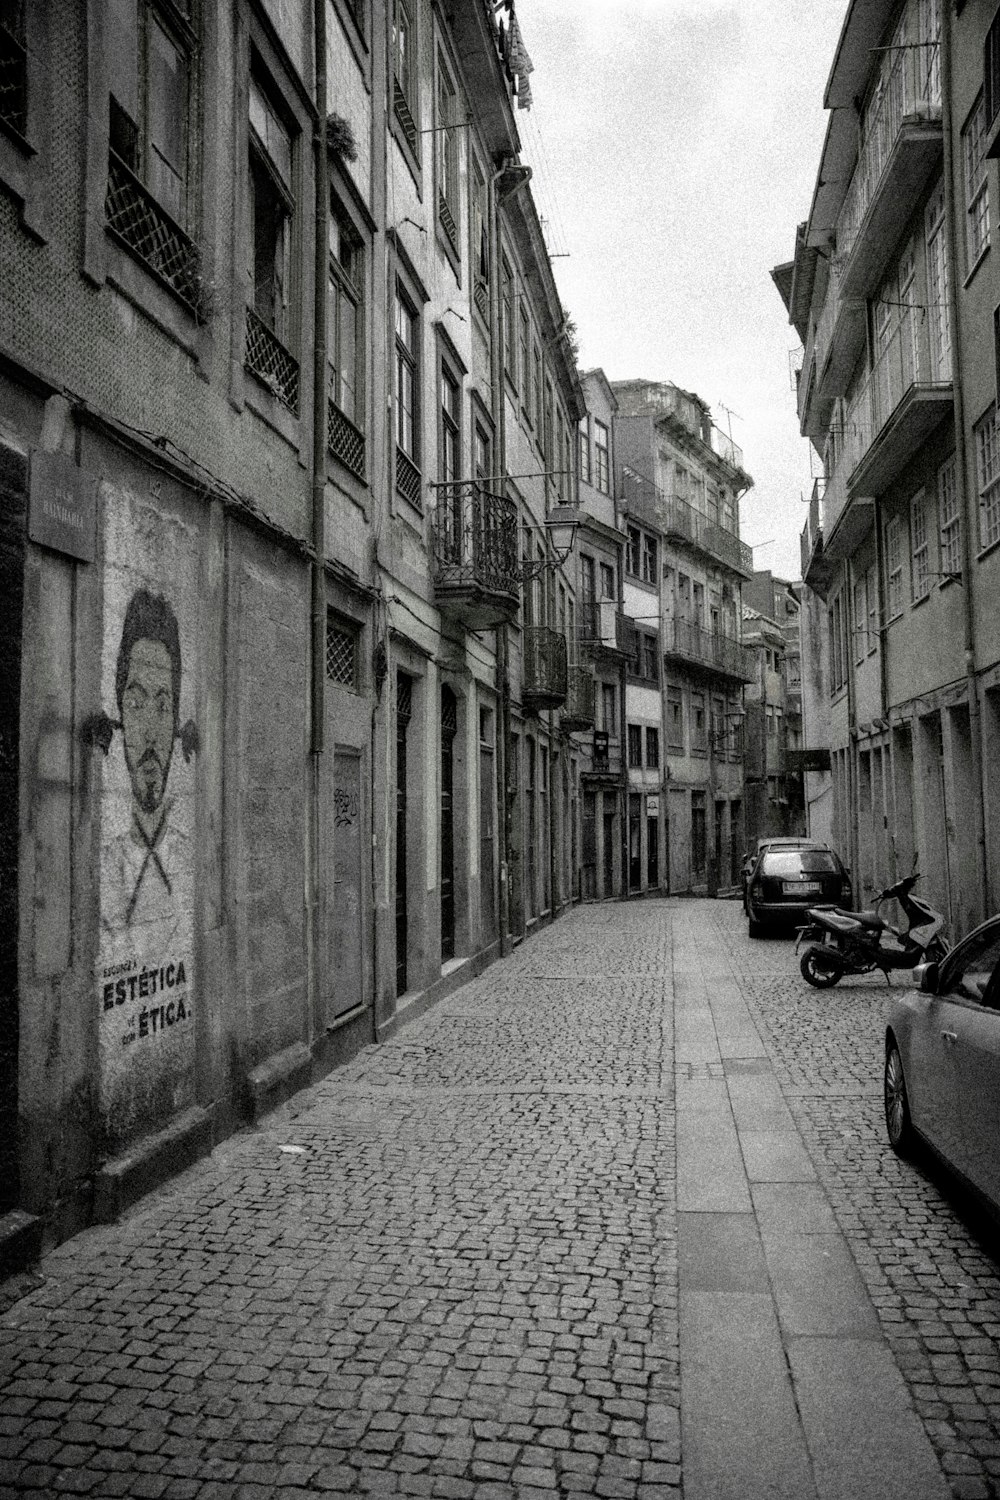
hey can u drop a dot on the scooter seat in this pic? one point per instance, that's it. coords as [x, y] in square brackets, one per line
[868, 919]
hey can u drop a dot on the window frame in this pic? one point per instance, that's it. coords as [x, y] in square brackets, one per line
[348, 286]
[633, 738]
[920, 548]
[449, 381]
[949, 519]
[652, 747]
[975, 182]
[987, 439]
[650, 557]
[894, 582]
[406, 79]
[675, 717]
[447, 165]
[602, 449]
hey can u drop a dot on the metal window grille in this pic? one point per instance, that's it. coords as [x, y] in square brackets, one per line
[135, 218]
[447, 221]
[345, 441]
[13, 73]
[271, 362]
[404, 697]
[404, 116]
[341, 652]
[407, 477]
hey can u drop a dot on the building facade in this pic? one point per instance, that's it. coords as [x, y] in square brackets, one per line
[893, 289]
[287, 407]
[685, 565]
[772, 728]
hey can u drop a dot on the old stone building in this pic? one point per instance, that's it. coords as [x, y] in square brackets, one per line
[288, 420]
[893, 291]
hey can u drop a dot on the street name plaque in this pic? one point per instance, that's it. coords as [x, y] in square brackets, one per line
[62, 506]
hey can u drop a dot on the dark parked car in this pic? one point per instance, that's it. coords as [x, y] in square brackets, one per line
[778, 841]
[784, 883]
[942, 1061]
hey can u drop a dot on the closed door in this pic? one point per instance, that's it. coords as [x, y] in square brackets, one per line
[449, 726]
[487, 885]
[609, 854]
[652, 852]
[404, 701]
[634, 844]
[347, 878]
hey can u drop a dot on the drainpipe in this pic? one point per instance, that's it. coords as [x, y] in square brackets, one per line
[320, 273]
[961, 468]
[318, 578]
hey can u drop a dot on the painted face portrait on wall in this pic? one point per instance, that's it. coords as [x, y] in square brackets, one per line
[148, 688]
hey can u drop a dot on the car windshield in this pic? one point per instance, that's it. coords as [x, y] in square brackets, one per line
[789, 862]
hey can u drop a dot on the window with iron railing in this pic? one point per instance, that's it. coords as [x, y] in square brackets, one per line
[446, 160]
[269, 313]
[13, 67]
[346, 331]
[478, 218]
[404, 57]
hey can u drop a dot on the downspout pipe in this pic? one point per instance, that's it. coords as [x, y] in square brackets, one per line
[962, 478]
[320, 278]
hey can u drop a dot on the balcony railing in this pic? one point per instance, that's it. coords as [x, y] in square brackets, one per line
[707, 648]
[13, 76]
[271, 362]
[135, 218]
[344, 440]
[903, 365]
[602, 626]
[578, 712]
[911, 90]
[680, 519]
[544, 668]
[474, 541]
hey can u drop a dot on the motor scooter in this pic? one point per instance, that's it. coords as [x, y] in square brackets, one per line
[856, 942]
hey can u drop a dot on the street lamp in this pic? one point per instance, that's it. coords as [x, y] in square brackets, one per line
[562, 524]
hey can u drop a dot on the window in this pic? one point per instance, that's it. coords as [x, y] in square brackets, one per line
[938, 288]
[949, 521]
[699, 728]
[603, 457]
[536, 380]
[450, 431]
[838, 670]
[648, 558]
[988, 479]
[652, 748]
[405, 398]
[509, 326]
[561, 461]
[586, 471]
[871, 594]
[608, 581]
[609, 714]
[675, 718]
[977, 193]
[860, 618]
[478, 220]
[153, 82]
[920, 561]
[649, 662]
[269, 315]
[632, 550]
[894, 566]
[548, 431]
[346, 336]
[446, 161]
[341, 651]
[404, 55]
[13, 67]
[635, 745]
[524, 361]
[587, 578]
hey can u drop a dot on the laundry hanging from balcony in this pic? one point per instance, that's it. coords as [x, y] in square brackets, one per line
[514, 52]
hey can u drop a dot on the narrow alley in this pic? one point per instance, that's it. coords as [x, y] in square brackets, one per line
[617, 1218]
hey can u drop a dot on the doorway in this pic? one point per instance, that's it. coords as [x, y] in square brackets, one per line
[449, 728]
[404, 713]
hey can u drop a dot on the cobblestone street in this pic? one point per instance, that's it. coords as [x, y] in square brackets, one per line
[451, 1269]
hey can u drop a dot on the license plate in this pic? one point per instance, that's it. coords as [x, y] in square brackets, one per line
[801, 887]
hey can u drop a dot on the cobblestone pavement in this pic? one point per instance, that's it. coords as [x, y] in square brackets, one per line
[448, 1270]
[925, 1253]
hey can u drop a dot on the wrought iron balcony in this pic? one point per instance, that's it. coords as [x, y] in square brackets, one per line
[474, 539]
[145, 228]
[271, 362]
[682, 522]
[902, 143]
[578, 712]
[904, 397]
[603, 628]
[344, 440]
[718, 654]
[544, 668]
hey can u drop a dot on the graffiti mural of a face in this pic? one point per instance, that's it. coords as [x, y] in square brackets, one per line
[148, 689]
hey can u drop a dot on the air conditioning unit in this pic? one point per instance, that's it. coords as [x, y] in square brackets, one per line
[609, 622]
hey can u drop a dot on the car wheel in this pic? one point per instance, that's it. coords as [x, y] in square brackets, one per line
[897, 1108]
[820, 971]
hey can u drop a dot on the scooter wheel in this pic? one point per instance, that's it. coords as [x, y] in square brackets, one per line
[819, 970]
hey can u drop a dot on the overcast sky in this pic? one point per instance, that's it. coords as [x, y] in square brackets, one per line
[675, 145]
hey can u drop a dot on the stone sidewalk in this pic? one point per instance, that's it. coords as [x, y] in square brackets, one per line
[501, 1255]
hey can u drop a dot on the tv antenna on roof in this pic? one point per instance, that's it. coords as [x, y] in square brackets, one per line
[730, 414]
